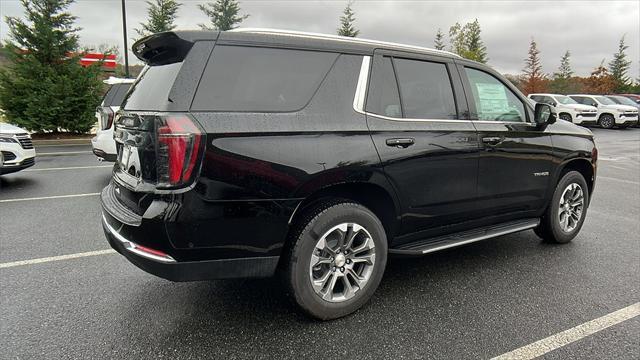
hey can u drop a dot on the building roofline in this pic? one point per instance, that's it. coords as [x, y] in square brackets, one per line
[319, 36]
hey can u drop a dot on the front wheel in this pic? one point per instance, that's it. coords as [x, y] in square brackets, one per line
[566, 117]
[565, 215]
[607, 121]
[336, 260]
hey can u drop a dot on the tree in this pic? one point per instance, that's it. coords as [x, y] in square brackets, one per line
[563, 82]
[347, 20]
[475, 48]
[44, 86]
[600, 81]
[619, 67]
[534, 79]
[457, 39]
[438, 43]
[224, 14]
[161, 15]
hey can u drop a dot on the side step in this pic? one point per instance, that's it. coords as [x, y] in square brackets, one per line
[426, 246]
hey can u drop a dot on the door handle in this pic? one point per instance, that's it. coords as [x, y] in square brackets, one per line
[401, 143]
[492, 140]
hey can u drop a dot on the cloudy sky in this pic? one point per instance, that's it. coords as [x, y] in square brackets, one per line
[589, 29]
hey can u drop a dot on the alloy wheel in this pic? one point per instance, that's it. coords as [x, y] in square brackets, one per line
[342, 262]
[571, 207]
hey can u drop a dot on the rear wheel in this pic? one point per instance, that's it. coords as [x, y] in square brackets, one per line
[607, 121]
[566, 117]
[336, 260]
[565, 215]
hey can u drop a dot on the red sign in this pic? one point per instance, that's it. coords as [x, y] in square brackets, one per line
[108, 61]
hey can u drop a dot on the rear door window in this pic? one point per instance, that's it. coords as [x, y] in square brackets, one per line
[384, 98]
[254, 79]
[425, 89]
[150, 92]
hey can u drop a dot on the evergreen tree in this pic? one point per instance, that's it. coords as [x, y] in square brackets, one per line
[438, 43]
[224, 14]
[457, 39]
[161, 15]
[534, 78]
[475, 48]
[562, 81]
[347, 20]
[45, 87]
[564, 70]
[619, 67]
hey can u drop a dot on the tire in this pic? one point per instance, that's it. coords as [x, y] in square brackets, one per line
[566, 117]
[316, 236]
[607, 121]
[552, 228]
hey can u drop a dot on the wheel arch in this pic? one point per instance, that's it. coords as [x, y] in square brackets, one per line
[581, 165]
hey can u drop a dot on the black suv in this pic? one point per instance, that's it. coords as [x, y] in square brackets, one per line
[246, 153]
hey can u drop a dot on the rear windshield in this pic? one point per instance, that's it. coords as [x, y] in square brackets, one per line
[150, 92]
[115, 95]
[260, 79]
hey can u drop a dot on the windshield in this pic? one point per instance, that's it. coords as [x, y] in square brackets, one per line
[604, 100]
[565, 100]
[623, 100]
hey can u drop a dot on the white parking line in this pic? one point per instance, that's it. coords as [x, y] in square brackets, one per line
[61, 153]
[56, 258]
[620, 180]
[41, 146]
[70, 168]
[574, 334]
[49, 197]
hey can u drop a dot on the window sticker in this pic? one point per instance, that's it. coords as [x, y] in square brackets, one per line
[493, 99]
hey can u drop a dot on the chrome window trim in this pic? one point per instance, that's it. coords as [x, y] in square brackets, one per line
[361, 94]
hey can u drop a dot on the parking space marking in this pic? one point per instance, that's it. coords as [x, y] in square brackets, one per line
[41, 146]
[620, 180]
[62, 153]
[569, 336]
[56, 258]
[70, 168]
[49, 197]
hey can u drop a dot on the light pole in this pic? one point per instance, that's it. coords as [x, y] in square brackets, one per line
[126, 47]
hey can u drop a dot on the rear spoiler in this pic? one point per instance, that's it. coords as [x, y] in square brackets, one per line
[161, 48]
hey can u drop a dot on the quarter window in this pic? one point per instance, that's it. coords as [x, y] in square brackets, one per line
[260, 79]
[384, 98]
[426, 90]
[494, 101]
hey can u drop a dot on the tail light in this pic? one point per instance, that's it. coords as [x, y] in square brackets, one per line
[180, 144]
[106, 117]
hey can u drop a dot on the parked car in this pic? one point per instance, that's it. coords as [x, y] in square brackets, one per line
[610, 114]
[568, 109]
[634, 97]
[104, 147]
[246, 153]
[623, 100]
[16, 149]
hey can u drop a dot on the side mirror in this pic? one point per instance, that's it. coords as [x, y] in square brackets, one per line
[594, 104]
[544, 114]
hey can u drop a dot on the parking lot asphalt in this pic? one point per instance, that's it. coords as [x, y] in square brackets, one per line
[476, 301]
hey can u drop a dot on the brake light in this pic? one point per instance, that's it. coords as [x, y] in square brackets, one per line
[107, 117]
[179, 145]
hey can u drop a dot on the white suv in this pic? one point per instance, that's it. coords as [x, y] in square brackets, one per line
[568, 109]
[104, 147]
[16, 149]
[610, 114]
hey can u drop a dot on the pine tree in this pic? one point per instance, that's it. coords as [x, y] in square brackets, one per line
[161, 15]
[224, 14]
[347, 20]
[438, 43]
[44, 87]
[457, 39]
[534, 78]
[562, 82]
[619, 67]
[564, 70]
[475, 48]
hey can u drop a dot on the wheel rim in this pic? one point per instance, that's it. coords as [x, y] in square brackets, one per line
[606, 122]
[565, 117]
[342, 262]
[571, 207]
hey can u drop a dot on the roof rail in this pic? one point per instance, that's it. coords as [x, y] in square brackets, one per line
[320, 36]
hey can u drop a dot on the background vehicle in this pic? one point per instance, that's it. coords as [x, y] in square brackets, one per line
[634, 97]
[610, 114]
[104, 147]
[16, 149]
[241, 153]
[568, 109]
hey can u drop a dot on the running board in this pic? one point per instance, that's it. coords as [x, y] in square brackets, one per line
[426, 246]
